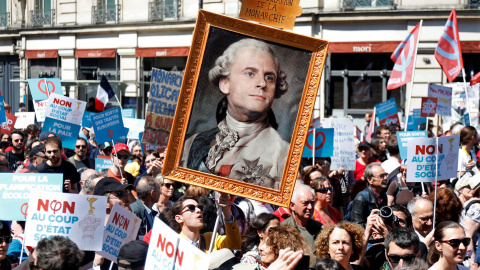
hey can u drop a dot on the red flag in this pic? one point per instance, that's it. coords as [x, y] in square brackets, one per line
[448, 52]
[475, 79]
[404, 58]
[371, 128]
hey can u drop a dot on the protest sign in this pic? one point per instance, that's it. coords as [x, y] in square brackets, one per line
[135, 127]
[122, 227]
[128, 113]
[9, 124]
[460, 107]
[429, 107]
[3, 118]
[343, 143]
[42, 88]
[444, 98]
[63, 117]
[387, 112]
[78, 217]
[466, 119]
[162, 102]
[87, 119]
[323, 143]
[15, 191]
[166, 246]
[24, 119]
[431, 159]
[40, 108]
[108, 126]
[103, 164]
[403, 137]
[414, 121]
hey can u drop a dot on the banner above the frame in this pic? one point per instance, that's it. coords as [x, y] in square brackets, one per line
[278, 13]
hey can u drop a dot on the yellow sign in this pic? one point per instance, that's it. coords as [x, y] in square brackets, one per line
[278, 13]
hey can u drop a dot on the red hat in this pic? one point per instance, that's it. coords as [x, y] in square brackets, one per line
[119, 147]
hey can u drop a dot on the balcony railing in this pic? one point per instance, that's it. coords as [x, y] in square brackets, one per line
[365, 4]
[42, 17]
[104, 14]
[4, 18]
[163, 10]
[473, 3]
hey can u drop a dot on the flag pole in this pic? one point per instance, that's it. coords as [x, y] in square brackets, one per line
[466, 93]
[409, 96]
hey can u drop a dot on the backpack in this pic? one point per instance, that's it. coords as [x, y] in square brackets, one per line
[348, 213]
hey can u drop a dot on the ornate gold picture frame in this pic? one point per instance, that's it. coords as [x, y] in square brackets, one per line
[299, 61]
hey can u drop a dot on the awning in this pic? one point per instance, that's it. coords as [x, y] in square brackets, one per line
[95, 53]
[470, 46]
[363, 47]
[36, 54]
[162, 52]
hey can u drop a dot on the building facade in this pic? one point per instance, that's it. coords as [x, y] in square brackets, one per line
[78, 41]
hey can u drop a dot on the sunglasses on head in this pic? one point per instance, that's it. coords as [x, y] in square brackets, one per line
[168, 185]
[192, 208]
[324, 189]
[123, 156]
[5, 239]
[455, 243]
[409, 258]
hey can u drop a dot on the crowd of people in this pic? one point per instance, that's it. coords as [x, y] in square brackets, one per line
[369, 218]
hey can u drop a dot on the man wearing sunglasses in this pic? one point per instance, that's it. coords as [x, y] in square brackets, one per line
[401, 248]
[80, 160]
[16, 156]
[120, 156]
[188, 215]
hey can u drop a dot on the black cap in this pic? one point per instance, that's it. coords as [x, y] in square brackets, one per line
[364, 144]
[104, 145]
[109, 184]
[134, 252]
[37, 149]
[45, 135]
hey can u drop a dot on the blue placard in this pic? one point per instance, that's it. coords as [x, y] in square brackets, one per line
[87, 119]
[466, 119]
[323, 143]
[386, 109]
[3, 118]
[15, 191]
[404, 136]
[128, 113]
[68, 132]
[103, 164]
[108, 126]
[39, 87]
[415, 121]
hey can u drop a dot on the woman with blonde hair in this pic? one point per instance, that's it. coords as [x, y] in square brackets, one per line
[342, 242]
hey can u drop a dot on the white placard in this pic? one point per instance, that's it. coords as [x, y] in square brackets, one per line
[444, 98]
[425, 155]
[343, 143]
[78, 217]
[164, 243]
[24, 119]
[65, 109]
[122, 227]
[40, 108]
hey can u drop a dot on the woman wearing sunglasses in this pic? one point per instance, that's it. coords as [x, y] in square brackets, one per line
[5, 239]
[449, 247]
[323, 211]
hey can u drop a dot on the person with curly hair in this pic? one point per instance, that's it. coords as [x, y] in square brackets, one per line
[449, 207]
[342, 242]
[282, 237]
[250, 77]
[256, 235]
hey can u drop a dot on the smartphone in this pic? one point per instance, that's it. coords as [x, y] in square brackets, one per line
[304, 263]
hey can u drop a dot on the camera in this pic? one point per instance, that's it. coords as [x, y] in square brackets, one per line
[388, 217]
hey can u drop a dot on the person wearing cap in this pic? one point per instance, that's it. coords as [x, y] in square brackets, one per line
[80, 160]
[56, 164]
[120, 156]
[245, 138]
[188, 214]
[45, 135]
[105, 149]
[364, 158]
[469, 188]
[372, 197]
[36, 157]
[132, 255]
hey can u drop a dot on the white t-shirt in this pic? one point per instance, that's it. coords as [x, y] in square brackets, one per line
[463, 159]
[459, 267]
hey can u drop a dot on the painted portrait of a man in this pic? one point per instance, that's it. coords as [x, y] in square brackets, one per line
[247, 82]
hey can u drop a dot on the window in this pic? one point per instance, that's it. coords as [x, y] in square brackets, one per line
[105, 11]
[43, 14]
[160, 10]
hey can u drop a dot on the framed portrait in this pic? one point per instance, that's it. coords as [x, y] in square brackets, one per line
[244, 108]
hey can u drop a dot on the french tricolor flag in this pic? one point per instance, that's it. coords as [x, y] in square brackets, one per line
[104, 93]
